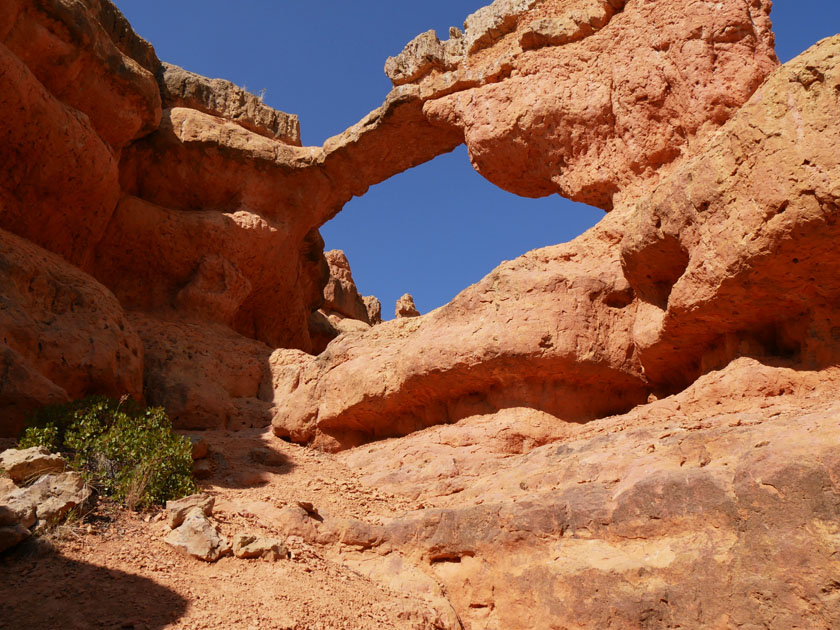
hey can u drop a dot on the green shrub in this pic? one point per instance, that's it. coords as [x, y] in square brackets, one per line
[123, 450]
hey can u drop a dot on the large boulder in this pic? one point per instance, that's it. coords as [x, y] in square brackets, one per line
[48, 500]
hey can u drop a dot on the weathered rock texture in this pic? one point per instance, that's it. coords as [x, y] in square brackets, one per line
[217, 97]
[186, 197]
[405, 307]
[340, 294]
[732, 252]
[586, 97]
[636, 429]
[25, 465]
[717, 507]
[62, 334]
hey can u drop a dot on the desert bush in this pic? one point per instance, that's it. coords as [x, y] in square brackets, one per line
[125, 451]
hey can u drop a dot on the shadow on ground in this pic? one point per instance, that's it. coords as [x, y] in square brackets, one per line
[42, 590]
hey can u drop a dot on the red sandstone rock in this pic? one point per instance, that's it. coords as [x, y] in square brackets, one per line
[693, 508]
[253, 175]
[731, 254]
[340, 294]
[74, 56]
[374, 309]
[205, 376]
[62, 209]
[62, 334]
[550, 330]
[611, 95]
[236, 268]
[405, 307]
[221, 98]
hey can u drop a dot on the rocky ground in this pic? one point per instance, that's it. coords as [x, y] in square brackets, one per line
[645, 477]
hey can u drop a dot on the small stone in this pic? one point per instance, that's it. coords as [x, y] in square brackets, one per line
[267, 457]
[202, 468]
[177, 511]
[247, 545]
[200, 447]
[25, 465]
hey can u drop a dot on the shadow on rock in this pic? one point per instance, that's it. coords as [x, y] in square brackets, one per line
[44, 590]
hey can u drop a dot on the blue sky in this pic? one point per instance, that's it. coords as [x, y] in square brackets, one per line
[437, 228]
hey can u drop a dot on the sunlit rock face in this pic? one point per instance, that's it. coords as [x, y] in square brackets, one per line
[589, 98]
[635, 429]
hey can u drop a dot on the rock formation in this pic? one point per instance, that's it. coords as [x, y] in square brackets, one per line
[639, 424]
[405, 307]
[374, 309]
[178, 241]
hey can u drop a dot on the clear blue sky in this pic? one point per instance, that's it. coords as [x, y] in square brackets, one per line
[435, 229]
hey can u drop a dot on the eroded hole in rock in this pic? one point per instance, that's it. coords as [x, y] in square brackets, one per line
[664, 263]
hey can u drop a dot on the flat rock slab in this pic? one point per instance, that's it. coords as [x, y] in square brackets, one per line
[24, 465]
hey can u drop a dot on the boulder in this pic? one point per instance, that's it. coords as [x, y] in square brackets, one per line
[177, 511]
[198, 537]
[200, 447]
[205, 375]
[48, 500]
[25, 465]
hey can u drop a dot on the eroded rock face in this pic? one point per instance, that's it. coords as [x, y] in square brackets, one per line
[205, 376]
[550, 330]
[405, 307]
[590, 97]
[75, 57]
[341, 295]
[24, 465]
[730, 254]
[700, 500]
[217, 97]
[62, 334]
